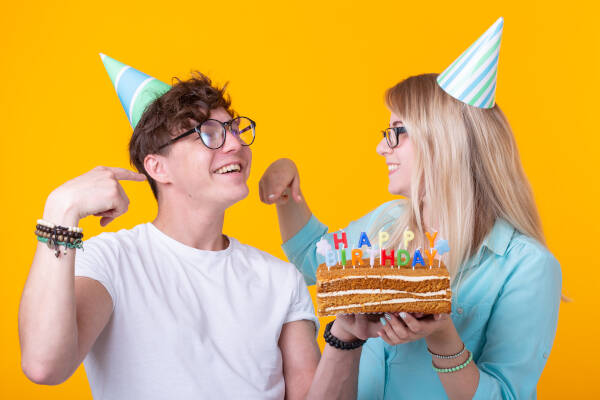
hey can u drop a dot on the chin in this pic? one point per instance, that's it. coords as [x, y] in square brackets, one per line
[398, 191]
[237, 194]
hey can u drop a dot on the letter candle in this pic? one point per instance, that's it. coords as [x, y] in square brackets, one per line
[363, 240]
[342, 240]
[330, 259]
[408, 236]
[383, 237]
[356, 257]
[403, 258]
[324, 249]
[417, 259]
[430, 256]
[372, 252]
[387, 257]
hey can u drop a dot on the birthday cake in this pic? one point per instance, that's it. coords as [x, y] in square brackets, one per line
[391, 282]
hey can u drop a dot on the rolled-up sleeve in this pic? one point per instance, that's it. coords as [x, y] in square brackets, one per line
[301, 250]
[522, 325]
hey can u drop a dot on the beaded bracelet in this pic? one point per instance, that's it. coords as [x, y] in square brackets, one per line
[448, 357]
[337, 343]
[55, 236]
[453, 369]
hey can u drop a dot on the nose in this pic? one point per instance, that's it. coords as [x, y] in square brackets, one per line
[232, 142]
[383, 148]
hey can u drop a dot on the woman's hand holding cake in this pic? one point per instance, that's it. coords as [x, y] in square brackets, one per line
[406, 327]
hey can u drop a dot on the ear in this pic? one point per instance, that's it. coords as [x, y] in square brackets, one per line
[157, 167]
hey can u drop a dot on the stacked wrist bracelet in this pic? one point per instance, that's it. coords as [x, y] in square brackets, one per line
[450, 357]
[454, 369]
[337, 343]
[70, 237]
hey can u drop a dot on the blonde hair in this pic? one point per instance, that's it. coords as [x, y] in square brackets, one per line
[466, 168]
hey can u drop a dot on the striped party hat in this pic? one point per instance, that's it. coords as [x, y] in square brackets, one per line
[135, 89]
[472, 77]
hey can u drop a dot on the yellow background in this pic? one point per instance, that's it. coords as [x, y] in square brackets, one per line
[312, 74]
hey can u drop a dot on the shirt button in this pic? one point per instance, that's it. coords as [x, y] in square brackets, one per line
[459, 310]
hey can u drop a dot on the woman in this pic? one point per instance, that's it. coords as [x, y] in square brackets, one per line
[459, 168]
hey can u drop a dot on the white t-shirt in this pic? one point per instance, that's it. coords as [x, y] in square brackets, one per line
[189, 323]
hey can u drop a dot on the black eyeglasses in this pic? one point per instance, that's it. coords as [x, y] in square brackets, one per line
[392, 135]
[212, 132]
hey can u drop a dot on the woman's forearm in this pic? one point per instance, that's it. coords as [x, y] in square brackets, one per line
[461, 384]
[293, 215]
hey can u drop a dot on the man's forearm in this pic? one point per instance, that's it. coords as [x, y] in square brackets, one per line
[47, 313]
[337, 373]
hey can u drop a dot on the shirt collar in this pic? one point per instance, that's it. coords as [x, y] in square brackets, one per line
[496, 241]
[499, 237]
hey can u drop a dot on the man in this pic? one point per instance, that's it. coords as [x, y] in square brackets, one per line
[173, 308]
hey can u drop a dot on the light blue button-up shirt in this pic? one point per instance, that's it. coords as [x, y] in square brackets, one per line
[505, 311]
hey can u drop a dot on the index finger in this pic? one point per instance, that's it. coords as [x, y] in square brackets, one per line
[411, 322]
[123, 174]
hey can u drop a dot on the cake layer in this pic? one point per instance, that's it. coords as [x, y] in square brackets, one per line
[335, 301]
[410, 305]
[355, 281]
[415, 280]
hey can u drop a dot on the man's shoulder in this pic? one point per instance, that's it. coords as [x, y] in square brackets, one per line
[117, 239]
[261, 255]
[261, 260]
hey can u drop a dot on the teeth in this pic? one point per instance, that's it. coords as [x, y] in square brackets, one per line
[229, 168]
[393, 167]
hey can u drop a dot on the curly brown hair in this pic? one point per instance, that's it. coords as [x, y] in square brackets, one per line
[187, 104]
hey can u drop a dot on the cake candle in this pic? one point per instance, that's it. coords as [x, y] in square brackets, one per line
[383, 237]
[408, 236]
[372, 252]
[418, 259]
[340, 240]
[356, 257]
[363, 240]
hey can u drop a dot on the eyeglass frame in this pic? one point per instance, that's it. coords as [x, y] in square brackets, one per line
[226, 127]
[397, 130]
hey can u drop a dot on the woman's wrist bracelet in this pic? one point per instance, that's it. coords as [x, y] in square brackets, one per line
[453, 369]
[448, 357]
[55, 236]
[337, 343]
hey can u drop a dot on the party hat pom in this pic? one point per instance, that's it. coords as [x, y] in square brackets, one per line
[135, 89]
[472, 77]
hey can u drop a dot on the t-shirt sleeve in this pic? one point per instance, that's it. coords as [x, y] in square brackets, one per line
[94, 262]
[301, 306]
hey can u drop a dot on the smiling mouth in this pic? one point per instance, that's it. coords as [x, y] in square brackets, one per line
[393, 167]
[229, 169]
